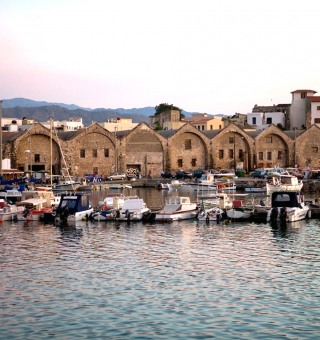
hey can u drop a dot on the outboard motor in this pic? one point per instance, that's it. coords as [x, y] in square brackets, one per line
[283, 214]
[274, 214]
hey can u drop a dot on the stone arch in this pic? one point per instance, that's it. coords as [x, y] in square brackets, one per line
[273, 148]
[307, 148]
[143, 149]
[232, 148]
[32, 151]
[188, 149]
[92, 149]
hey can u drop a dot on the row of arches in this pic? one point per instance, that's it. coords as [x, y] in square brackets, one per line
[95, 149]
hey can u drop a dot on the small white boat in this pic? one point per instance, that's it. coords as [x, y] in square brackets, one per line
[287, 206]
[134, 209]
[255, 188]
[8, 212]
[284, 183]
[177, 208]
[239, 212]
[73, 207]
[210, 214]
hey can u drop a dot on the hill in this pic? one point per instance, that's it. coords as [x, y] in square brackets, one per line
[41, 110]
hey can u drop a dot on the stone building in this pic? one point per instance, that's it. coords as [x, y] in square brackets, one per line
[97, 150]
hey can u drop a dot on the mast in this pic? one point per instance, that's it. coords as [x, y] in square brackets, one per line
[51, 151]
[1, 138]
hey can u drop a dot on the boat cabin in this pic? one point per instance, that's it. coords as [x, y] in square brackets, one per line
[286, 199]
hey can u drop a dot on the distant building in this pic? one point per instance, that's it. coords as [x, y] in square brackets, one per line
[164, 119]
[299, 108]
[314, 111]
[261, 120]
[206, 122]
[118, 124]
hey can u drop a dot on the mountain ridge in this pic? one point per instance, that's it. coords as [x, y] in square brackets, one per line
[41, 110]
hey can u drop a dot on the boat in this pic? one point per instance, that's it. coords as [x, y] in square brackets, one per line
[32, 209]
[8, 212]
[284, 183]
[11, 195]
[66, 184]
[164, 186]
[177, 208]
[209, 212]
[287, 206]
[255, 187]
[107, 209]
[239, 211]
[134, 209]
[73, 207]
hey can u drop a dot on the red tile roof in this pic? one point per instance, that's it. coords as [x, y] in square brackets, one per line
[302, 91]
[314, 98]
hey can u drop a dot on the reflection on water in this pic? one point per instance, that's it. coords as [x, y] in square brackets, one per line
[178, 280]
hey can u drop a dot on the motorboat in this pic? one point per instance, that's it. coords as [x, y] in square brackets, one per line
[239, 211]
[177, 208]
[287, 206]
[32, 209]
[73, 207]
[208, 214]
[134, 209]
[284, 183]
[8, 212]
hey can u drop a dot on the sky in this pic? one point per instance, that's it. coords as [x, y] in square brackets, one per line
[215, 57]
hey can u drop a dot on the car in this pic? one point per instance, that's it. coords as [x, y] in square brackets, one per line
[260, 173]
[90, 177]
[117, 176]
[183, 175]
[167, 174]
[198, 173]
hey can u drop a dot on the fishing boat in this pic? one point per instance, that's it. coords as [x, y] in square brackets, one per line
[287, 206]
[177, 208]
[208, 212]
[73, 207]
[284, 183]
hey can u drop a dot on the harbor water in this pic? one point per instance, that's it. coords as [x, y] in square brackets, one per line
[180, 280]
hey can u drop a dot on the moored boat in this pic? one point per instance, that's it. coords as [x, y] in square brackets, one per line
[284, 183]
[177, 208]
[287, 206]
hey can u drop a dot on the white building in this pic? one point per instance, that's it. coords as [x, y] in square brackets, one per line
[314, 110]
[261, 120]
[118, 124]
[299, 108]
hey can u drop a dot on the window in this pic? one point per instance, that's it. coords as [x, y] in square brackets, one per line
[303, 95]
[94, 153]
[36, 158]
[241, 154]
[280, 154]
[230, 153]
[269, 156]
[254, 120]
[314, 149]
[180, 162]
[269, 140]
[106, 152]
[231, 140]
[260, 156]
[187, 144]
[193, 162]
[82, 153]
[221, 154]
[211, 127]
[269, 120]
[317, 120]
[318, 108]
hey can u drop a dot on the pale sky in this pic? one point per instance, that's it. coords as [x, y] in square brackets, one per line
[203, 56]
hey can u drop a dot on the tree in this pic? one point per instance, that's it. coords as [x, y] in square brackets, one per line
[165, 107]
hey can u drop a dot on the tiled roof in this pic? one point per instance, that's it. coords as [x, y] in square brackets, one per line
[314, 98]
[302, 91]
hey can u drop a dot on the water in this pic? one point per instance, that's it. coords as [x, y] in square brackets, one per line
[159, 281]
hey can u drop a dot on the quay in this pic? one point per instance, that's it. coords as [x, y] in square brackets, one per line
[309, 185]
